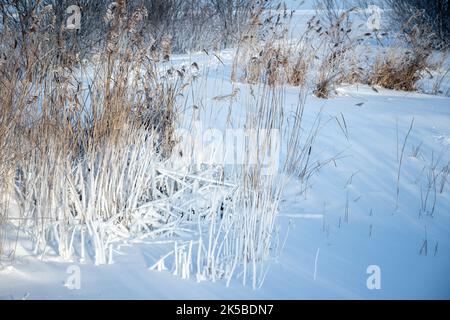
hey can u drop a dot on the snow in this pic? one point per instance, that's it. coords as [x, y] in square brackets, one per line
[365, 174]
[347, 220]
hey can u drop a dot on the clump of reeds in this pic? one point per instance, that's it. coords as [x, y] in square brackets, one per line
[408, 60]
[399, 72]
[336, 46]
[78, 138]
[90, 161]
[265, 55]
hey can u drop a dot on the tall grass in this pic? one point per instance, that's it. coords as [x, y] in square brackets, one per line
[79, 138]
[90, 154]
[266, 54]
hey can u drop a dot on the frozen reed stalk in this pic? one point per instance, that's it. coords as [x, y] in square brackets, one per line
[166, 46]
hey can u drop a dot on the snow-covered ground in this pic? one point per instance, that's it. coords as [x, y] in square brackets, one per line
[348, 220]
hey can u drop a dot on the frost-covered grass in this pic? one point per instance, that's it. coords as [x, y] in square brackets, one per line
[96, 160]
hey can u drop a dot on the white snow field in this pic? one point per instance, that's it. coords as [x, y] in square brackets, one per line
[378, 208]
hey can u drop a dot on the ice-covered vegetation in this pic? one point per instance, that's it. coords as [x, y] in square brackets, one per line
[91, 154]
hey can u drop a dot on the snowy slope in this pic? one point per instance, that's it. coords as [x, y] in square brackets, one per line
[360, 185]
